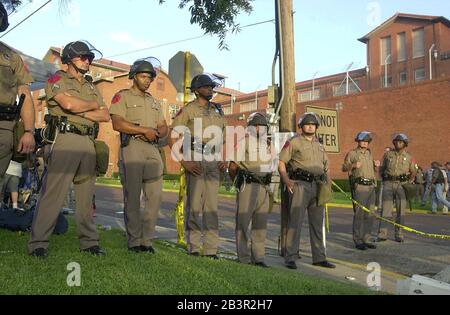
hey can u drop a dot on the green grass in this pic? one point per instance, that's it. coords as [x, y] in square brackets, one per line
[168, 272]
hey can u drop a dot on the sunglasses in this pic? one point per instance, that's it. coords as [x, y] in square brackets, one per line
[85, 58]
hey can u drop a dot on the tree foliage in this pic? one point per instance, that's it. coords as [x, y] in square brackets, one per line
[216, 17]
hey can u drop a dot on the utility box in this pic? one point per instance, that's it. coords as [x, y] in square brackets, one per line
[272, 94]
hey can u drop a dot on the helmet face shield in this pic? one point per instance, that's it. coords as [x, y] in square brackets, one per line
[257, 119]
[7, 5]
[81, 48]
[6, 9]
[205, 79]
[150, 65]
[400, 137]
[309, 118]
[364, 136]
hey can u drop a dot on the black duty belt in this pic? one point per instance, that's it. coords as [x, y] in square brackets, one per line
[364, 181]
[66, 126]
[8, 112]
[306, 176]
[250, 177]
[400, 178]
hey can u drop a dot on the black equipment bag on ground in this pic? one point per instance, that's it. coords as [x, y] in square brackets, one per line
[21, 221]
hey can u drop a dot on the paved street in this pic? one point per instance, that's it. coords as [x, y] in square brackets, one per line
[417, 255]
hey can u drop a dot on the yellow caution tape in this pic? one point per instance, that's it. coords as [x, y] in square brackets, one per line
[406, 228]
[327, 218]
[179, 209]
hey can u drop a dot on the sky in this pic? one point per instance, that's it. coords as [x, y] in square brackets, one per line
[325, 31]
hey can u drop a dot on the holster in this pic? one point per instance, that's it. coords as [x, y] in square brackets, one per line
[124, 140]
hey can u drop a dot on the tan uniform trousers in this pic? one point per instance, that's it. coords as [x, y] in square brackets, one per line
[305, 199]
[363, 221]
[202, 200]
[252, 208]
[142, 172]
[391, 190]
[72, 160]
[6, 147]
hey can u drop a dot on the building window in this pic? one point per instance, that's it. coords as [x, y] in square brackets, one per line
[418, 43]
[306, 96]
[403, 77]
[419, 75]
[401, 47]
[227, 110]
[160, 84]
[387, 83]
[386, 50]
[248, 107]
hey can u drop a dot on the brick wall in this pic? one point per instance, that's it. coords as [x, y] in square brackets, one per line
[420, 111]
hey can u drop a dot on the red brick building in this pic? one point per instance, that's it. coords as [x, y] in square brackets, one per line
[415, 100]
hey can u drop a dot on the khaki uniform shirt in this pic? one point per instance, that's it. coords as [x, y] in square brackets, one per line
[142, 110]
[210, 115]
[310, 156]
[63, 82]
[13, 73]
[251, 158]
[396, 164]
[367, 169]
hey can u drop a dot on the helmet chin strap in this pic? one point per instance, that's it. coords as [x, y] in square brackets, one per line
[206, 97]
[83, 72]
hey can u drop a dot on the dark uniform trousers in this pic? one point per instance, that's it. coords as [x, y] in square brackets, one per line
[305, 199]
[202, 200]
[253, 208]
[71, 160]
[363, 221]
[6, 146]
[391, 190]
[142, 172]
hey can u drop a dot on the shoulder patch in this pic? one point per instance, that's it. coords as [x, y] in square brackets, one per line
[54, 78]
[116, 99]
[287, 145]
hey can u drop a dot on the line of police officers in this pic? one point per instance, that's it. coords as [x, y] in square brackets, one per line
[76, 108]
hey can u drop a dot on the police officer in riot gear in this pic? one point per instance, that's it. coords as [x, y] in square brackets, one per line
[303, 166]
[361, 167]
[251, 170]
[14, 80]
[139, 117]
[203, 161]
[76, 108]
[398, 168]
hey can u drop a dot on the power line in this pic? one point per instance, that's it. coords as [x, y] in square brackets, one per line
[17, 25]
[183, 40]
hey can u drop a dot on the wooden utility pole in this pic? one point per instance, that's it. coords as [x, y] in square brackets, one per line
[288, 113]
[285, 44]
